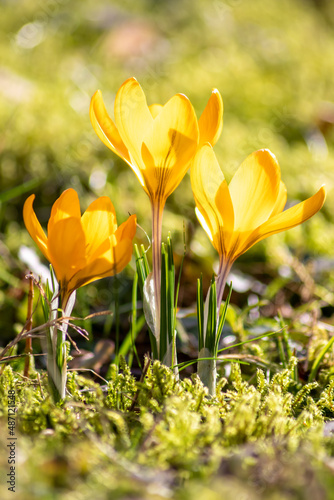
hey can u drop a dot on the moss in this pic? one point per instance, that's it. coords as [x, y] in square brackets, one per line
[121, 387]
[326, 400]
[160, 436]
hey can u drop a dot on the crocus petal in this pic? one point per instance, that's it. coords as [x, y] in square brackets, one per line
[67, 205]
[98, 222]
[281, 200]
[67, 244]
[254, 189]
[122, 253]
[288, 219]
[155, 109]
[212, 197]
[211, 121]
[105, 127]
[169, 146]
[132, 117]
[34, 228]
[117, 254]
[112, 262]
[127, 230]
[94, 270]
[205, 225]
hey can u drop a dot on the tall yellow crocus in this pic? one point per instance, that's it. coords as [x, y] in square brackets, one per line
[250, 208]
[158, 143]
[83, 248]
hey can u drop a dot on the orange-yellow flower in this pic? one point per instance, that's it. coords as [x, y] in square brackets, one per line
[158, 142]
[83, 248]
[250, 208]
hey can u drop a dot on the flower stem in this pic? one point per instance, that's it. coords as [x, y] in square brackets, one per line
[207, 364]
[51, 337]
[157, 209]
[28, 348]
[224, 269]
[57, 348]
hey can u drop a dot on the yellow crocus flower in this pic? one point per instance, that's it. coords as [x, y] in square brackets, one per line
[248, 209]
[158, 143]
[83, 248]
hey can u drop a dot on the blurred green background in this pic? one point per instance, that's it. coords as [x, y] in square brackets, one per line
[273, 64]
